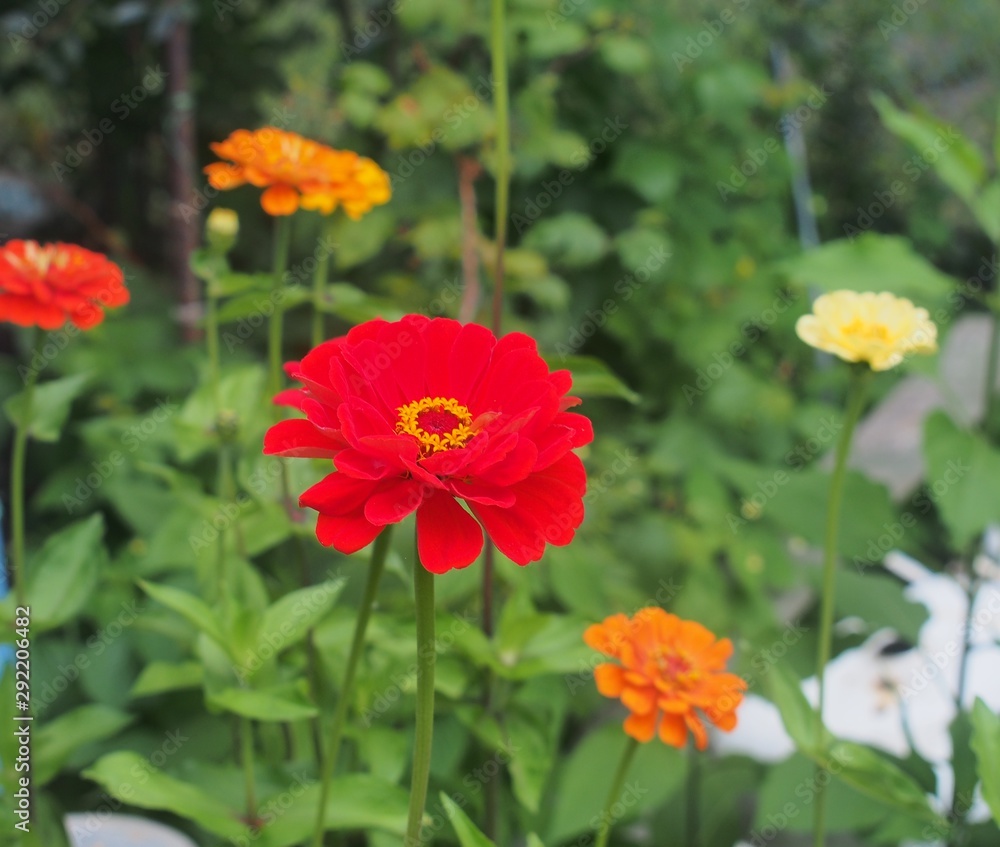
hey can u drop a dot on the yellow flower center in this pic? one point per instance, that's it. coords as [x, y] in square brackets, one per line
[867, 331]
[438, 423]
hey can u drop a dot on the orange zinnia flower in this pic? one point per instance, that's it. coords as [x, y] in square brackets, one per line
[670, 670]
[47, 285]
[298, 172]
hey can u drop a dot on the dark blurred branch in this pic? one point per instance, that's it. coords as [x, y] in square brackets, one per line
[468, 172]
[180, 142]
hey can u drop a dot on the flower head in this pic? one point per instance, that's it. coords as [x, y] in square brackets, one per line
[421, 413]
[880, 329]
[47, 285]
[296, 171]
[670, 670]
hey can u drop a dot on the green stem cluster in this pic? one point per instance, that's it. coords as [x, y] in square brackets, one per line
[860, 377]
[423, 586]
[282, 241]
[380, 551]
[18, 564]
[606, 820]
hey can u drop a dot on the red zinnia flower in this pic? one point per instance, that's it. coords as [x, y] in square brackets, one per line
[46, 286]
[420, 413]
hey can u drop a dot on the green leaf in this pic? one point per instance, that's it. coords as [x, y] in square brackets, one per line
[358, 801]
[116, 774]
[56, 740]
[229, 284]
[286, 622]
[50, 406]
[584, 779]
[158, 677]
[986, 208]
[530, 768]
[875, 776]
[534, 840]
[468, 834]
[593, 378]
[64, 573]
[570, 239]
[871, 262]
[797, 715]
[957, 161]
[986, 746]
[189, 607]
[964, 472]
[356, 306]
[262, 705]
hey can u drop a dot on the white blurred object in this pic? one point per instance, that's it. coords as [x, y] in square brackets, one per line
[890, 698]
[92, 829]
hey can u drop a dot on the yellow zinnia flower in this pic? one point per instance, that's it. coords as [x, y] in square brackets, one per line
[880, 329]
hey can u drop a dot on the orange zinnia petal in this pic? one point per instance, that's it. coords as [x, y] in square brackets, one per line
[280, 200]
[641, 727]
[610, 679]
[673, 730]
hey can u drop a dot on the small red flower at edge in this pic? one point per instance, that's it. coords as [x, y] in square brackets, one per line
[48, 285]
[671, 669]
[420, 413]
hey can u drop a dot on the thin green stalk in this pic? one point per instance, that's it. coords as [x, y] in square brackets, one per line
[319, 283]
[247, 756]
[860, 376]
[212, 343]
[991, 406]
[501, 100]
[380, 551]
[18, 565]
[282, 239]
[606, 822]
[423, 587]
[692, 796]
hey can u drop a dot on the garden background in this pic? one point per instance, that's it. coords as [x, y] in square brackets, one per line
[686, 177]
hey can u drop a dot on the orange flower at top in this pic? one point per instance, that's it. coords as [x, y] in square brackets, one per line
[670, 670]
[47, 285]
[296, 171]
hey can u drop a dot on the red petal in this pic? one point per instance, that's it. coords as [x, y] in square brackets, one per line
[338, 494]
[298, 437]
[548, 508]
[470, 356]
[346, 534]
[394, 502]
[447, 536]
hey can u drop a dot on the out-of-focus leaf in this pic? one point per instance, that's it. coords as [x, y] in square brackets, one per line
[262, 705]
[593, 378]
[50, 405]
[465, 829]
[116, 774]
[64, 573]
[986, 745]
[956, 159]
[56, 740]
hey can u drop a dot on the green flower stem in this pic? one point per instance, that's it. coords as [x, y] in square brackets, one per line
[247, 756]
[380, 551]
[605, 823]
[991, 406]
[860, 377]
[282, 239]
[501, 100]
[319, 283]
[212, 343]
[423, 587]
[692, 792]
[18, 565]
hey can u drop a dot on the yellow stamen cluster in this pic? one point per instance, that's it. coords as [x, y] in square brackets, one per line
[438, 423]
